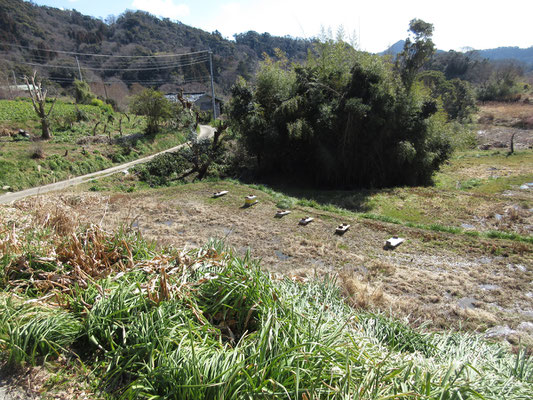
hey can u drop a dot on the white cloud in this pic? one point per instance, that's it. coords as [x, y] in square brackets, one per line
[162, 8]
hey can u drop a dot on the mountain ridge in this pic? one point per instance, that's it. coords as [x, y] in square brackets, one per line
[524, 55]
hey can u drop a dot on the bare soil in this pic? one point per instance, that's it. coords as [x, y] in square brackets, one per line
[499, 121]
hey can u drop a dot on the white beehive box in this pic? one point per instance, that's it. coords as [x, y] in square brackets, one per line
[394, 242]
[219, 194]
[250, 200]
[306, 220]
[342, 228]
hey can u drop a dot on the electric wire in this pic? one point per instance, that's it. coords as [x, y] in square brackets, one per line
[109, 69]
[43, 62]
[115, 64]
[100, 55]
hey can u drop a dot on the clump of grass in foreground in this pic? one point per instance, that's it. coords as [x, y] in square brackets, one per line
[208, 324]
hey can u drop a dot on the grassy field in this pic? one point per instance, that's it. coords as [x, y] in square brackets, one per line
[112, 316]
[117, 290]
[77, 147]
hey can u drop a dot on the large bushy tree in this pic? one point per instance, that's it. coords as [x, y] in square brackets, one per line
[154, 106]
[344, 119]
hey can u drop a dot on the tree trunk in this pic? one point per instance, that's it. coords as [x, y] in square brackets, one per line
[45, 128]
[511, 149]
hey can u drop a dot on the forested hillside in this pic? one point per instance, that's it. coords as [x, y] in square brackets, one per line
[117, 55]
[31, 34]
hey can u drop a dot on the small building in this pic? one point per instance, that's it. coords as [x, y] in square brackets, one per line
[201, 100]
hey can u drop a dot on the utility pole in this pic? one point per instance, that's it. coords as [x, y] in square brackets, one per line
[105, 89]
[212, 85]
[79, 69]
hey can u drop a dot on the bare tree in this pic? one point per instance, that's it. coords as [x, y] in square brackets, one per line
[38, 98]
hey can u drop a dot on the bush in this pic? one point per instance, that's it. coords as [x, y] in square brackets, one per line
[82, 92]
[154, 106]
[162, 169]
[338, 127]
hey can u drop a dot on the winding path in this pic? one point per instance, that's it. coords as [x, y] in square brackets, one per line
[206, 131]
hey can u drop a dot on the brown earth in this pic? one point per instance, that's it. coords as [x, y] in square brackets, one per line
[444, 279]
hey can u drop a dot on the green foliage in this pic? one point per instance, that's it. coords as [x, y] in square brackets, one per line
[417, 50]
[154, 106]
[200, 157]
[162, 170]
[503, 85]
[21, 110]
[341, 120]
[35, 334]
[82, 93]
[457, 96]
[216, 326]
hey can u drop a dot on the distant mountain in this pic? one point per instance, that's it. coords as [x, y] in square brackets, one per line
[508, 53]
[500, 53]
[394, 49]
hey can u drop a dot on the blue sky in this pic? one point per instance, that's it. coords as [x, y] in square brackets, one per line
[376, 23]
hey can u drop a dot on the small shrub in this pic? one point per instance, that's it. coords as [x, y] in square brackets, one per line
[37, 152]
[162, 169]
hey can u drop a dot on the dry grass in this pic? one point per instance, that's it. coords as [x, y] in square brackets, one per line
[424, 279]
[506, 114]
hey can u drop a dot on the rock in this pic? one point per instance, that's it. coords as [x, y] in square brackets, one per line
[525, 326]
[6, 187]
[498, 217]
[467, 302]
[499, 331]
[22, 132]
[467, 226]
[281, 256]
[488, 286]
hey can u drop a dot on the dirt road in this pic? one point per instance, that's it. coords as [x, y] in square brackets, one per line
[205, 132]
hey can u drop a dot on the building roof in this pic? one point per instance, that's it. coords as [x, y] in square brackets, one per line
[193, 97]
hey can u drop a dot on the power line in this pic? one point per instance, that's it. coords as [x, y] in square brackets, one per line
[115, 64]
[148, 81]
[110, 69]
[101, 55]
[43, 62]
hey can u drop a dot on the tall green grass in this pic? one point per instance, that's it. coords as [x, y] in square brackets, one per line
[214, 325]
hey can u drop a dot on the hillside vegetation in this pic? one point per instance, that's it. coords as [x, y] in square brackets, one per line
[46, 38]
[86, 138]
[29, 34]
